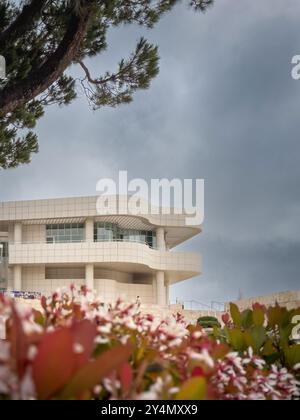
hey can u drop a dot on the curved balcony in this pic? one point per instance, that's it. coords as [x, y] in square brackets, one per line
[126, 253]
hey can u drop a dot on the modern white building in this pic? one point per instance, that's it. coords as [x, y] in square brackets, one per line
[46, 244]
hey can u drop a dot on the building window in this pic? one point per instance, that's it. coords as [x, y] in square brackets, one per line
[109, 232]
[3, 250]
[65, 233]
[105, 232]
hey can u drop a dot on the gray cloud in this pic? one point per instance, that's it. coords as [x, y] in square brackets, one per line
[223, 108]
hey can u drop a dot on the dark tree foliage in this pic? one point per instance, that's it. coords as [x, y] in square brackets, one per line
[41, 39]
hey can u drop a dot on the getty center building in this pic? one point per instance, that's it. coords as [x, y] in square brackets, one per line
[50, 244]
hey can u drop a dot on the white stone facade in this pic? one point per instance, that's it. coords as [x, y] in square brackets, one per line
[55, 243]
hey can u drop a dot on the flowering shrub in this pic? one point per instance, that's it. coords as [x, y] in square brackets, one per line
[75, 349]
[268, 331]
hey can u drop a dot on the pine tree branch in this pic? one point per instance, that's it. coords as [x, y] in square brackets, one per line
[23, 21]
[112, 78]
[133, 74]
[42, 78]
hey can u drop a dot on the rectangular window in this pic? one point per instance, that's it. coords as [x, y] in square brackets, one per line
[65, 233]
[3, 249]
[108, 232]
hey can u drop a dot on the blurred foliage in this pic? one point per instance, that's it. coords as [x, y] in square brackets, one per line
[268, 331]
[208, 322]
[73, 348]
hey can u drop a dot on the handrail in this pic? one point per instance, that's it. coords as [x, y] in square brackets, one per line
[192, 304]
[83, 242]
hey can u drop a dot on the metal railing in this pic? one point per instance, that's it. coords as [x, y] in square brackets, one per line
[134, 241]
[200, 306]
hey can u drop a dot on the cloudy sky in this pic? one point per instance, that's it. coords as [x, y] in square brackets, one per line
[224, 108]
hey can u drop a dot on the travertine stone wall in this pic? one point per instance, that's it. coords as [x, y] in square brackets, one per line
[110, 285]
[34, 233]
[111, 290]
[291, 300]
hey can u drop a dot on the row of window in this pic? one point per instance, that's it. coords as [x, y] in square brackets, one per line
[68, 232]
[106, 232]
[103, 232]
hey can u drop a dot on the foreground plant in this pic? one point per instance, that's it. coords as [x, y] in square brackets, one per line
[268, 331]
[75, 349]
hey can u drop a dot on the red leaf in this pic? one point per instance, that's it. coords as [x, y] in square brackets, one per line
[84, 333]
[19, 343]
[226, 318]
[54, 364]
[126, 377]
[259, 306]
[44, 302]
[94, 372]
[197, 371]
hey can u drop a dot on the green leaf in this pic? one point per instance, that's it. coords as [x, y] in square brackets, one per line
[285, 335]
[193, 389]
[216, 331]
[237, 339]
[292, 355]
[235, 314]
[272, 358]
[275, 315]
[258, 317]
[247, 319]
[260, 337]
[268, 349]
[250, 340]
[38, 318]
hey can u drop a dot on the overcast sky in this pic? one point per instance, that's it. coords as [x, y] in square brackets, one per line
[224, 108]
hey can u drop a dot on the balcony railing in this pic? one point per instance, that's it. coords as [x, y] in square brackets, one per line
[134, 241]
[102, 252]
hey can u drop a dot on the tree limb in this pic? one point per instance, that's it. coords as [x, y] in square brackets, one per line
[111, 78]
[115, 88]
[25, 19]
[40, 79]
